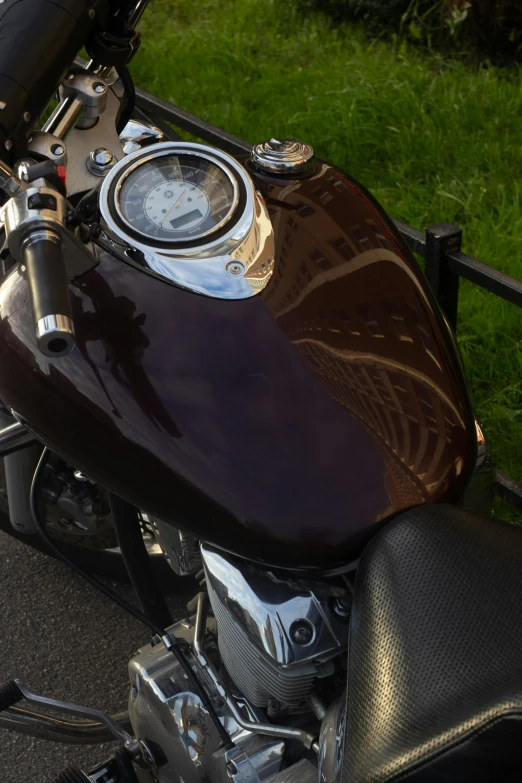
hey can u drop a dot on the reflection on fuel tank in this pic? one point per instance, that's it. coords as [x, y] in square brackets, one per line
[114, 321]
[352, 305]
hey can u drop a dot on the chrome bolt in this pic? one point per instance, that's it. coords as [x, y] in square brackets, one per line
[9, 145]
[100, 161]
[22, 167]
[343, 607]
[133, 748]
[98, 87]
[92, 13]
[235, 268]
[57, 149]
[302, 631]
[27, 116]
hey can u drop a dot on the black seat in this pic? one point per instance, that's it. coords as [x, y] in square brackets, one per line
[435, 656]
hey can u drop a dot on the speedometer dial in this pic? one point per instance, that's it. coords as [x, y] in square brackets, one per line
[177, 197]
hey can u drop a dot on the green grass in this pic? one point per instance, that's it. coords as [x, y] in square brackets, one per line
[434, 141]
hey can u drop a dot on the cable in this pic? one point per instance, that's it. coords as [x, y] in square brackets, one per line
[34, 502]
[129, 101]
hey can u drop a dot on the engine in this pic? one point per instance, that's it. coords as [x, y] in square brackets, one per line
[181, 742]
[259, 656]
[275, 639]
[176, 734]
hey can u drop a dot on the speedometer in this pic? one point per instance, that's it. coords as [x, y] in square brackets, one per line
[177, 197]
[189, 214]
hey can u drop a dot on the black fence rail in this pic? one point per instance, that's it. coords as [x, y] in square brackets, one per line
[444, 265]
[439, 246]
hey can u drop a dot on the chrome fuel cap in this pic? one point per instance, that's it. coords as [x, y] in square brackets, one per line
[282, 156]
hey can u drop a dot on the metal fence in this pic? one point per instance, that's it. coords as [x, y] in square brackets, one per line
[444, 265]
[439, 246]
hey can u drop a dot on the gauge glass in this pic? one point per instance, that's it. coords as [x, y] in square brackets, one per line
[177, 197]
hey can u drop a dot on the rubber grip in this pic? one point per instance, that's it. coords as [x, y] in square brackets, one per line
[49, 288]
[38, 41]
[10, 694]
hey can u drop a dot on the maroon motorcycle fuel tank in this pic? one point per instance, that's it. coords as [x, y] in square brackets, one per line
[286, 427]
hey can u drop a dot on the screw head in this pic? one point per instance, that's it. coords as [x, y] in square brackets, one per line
[57, 149]
[99, 87]
[9, 145]
[27, 116]
[92, 13]
[302, 631]
[235, 268]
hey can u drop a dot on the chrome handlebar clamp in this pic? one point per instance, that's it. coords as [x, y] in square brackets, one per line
[88, 88]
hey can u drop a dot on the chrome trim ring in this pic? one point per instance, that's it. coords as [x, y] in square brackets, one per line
[55, 335]
[119, 225]
[162, 154]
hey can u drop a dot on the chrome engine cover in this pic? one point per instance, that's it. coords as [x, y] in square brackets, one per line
[180, 739]
[259, 621]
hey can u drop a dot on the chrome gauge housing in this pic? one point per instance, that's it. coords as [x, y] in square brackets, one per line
[192, 215]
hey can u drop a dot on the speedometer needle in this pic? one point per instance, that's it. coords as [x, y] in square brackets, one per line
[173, 206]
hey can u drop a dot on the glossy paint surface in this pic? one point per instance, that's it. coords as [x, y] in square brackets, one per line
[286, 427]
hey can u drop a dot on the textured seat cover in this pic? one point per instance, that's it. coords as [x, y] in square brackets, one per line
[435, 657]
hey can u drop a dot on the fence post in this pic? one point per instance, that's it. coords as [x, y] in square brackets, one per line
[441, 239]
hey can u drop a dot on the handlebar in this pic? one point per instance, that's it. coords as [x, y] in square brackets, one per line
[38, 41]
[42, 254]
[35, 225]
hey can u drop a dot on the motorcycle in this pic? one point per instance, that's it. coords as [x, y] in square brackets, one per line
[234, 363]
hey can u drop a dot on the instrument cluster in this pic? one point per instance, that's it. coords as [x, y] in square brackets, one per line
[194, 215]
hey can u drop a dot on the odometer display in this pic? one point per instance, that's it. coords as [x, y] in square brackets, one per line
[177, 197]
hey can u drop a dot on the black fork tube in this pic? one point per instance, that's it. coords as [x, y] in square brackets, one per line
[137, 562]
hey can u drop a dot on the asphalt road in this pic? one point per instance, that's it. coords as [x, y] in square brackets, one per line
[66, 640]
